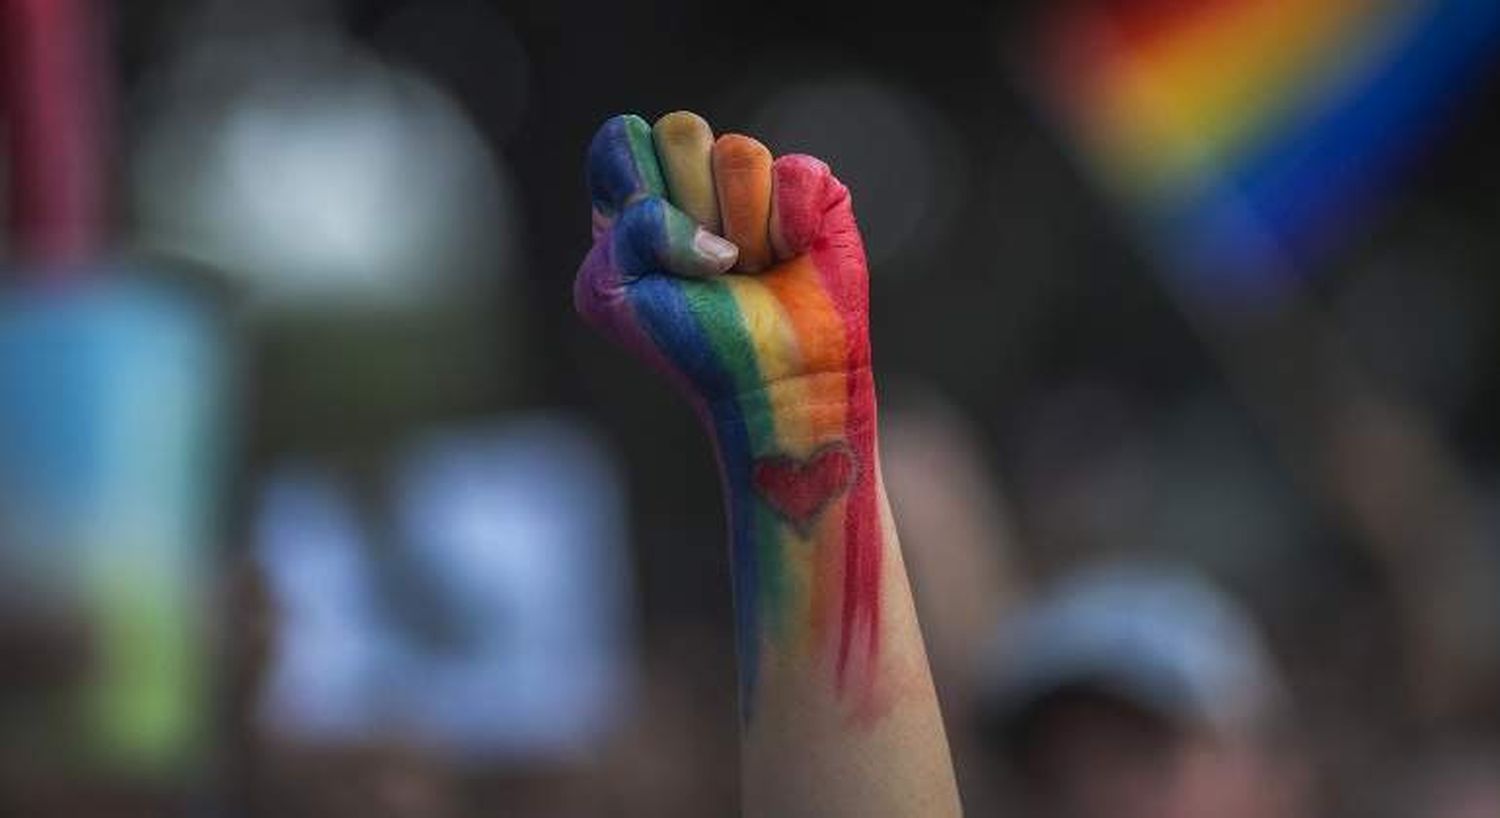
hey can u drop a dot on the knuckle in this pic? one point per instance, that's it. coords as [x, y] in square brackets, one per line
[643, 216]
[803, 164]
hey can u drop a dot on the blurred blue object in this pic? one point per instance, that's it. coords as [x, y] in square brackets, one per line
[1301, 193]
[112, 435]
[498, 625]
[309, 544]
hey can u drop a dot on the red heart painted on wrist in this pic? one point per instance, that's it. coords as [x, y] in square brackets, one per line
[799, 489]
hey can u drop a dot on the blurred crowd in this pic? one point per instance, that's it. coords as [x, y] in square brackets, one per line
[317, 500]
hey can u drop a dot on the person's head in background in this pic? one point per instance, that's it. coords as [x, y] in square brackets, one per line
[1461, 780]
[1140, 693]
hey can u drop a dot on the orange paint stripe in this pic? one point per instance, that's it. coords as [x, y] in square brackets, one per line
[823, 401]
[1160, 109]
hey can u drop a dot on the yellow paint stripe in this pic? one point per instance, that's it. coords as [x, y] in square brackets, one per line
[821, 337]
[776, 351]
[801, 348]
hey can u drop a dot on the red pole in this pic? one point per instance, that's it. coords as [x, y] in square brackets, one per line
[51, 87]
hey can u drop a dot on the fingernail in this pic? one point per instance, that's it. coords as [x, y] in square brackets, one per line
[721, 251]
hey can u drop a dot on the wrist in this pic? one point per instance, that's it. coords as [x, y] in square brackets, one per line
[795, 416]
[804, 503]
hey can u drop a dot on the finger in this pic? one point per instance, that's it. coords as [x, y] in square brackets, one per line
[742, 177]
[803, 190]
[652, 236]
[684, 147]
[622, 165]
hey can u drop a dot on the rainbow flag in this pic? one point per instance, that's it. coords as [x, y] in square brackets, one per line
[1249, 136]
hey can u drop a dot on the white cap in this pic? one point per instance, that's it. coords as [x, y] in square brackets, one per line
[1159, 638]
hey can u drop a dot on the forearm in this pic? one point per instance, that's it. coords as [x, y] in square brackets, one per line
[769, 332]
[840, 716]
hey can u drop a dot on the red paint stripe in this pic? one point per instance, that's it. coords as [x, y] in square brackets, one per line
[1085, 44]
[839, 250]
[53, 90]
[838, 256]
[1145, 24]
[862, 537]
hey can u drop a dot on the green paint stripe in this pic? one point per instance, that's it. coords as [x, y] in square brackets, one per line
[718, 314]
[770, 550]
[644, 153]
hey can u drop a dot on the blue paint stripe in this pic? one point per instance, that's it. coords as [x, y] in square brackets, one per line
[677, 334]
[1297, 192]
[621, 163]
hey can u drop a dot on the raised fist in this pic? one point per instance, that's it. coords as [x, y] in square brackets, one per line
[744, 278]
[726, 268]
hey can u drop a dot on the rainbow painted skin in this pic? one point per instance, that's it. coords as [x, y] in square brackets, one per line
[774, 355]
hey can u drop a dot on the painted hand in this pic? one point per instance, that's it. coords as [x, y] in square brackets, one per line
[744, 279]
[783, 298]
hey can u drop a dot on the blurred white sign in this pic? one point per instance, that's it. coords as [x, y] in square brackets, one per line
[494, 617]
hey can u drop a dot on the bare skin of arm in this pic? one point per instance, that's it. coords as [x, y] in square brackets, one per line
[743, 280]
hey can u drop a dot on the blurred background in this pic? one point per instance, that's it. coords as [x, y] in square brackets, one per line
[317, 499]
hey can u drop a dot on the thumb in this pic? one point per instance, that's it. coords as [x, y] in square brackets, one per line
[652, 236]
